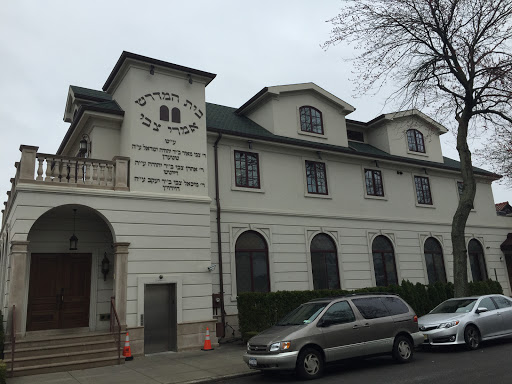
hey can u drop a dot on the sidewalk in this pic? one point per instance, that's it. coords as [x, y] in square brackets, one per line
[181, 367]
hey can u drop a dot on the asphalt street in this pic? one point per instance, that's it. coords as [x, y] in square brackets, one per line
[491, 364]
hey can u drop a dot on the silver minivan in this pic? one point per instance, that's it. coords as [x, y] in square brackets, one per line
[329, 329]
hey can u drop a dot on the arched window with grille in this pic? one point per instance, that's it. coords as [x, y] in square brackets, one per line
[324, 263]
[477, 260]
[415, 141]
[164, 113]
[384, 262]
[311, 120]
[251, 259]
[434, 260]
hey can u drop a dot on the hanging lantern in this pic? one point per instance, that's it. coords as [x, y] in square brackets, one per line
[73, 240]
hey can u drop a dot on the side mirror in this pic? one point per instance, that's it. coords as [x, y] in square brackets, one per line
[481, 310]
[323, 323]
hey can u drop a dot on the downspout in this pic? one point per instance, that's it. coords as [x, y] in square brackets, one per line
[219, 243]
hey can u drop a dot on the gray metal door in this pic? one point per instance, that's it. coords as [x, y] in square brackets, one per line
[159, 318]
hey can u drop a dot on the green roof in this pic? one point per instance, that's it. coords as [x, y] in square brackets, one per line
[224, 120]
[109, 106]
[90, 94]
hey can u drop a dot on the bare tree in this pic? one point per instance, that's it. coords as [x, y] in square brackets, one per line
[497, 154]
[453, 55]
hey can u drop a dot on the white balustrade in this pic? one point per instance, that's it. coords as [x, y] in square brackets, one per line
[75, 171]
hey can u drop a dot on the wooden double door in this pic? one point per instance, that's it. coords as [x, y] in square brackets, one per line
[59, 291]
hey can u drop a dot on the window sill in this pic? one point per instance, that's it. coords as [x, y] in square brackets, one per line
[317, 196]
[311, 134]
[424, 154]
[375, 197]
[244, 189]
[432, 206]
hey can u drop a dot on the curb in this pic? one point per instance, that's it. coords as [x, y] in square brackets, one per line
[221, 378]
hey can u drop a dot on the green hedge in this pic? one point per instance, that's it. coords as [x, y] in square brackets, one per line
[258, 311]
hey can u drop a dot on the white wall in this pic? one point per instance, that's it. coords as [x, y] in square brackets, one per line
[168, 237]
[281, 116]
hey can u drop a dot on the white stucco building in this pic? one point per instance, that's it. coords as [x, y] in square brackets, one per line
[303, 198]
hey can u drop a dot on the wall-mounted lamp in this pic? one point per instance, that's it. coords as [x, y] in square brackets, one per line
[399, 173]
[105, 266]
[73, 240]
[425, 170]
[376, 163]
[85, 145]
[319, 155]
[152, 70]
[189, 78]
[250, 143]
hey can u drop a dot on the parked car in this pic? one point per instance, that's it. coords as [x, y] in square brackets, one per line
[468, 320]
[329, 329]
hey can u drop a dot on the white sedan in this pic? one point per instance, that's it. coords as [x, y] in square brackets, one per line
[467, 320]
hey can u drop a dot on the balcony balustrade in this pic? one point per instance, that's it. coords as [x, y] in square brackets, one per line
[65, 171]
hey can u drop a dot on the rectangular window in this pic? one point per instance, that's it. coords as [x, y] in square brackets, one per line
[316, 177]
[355, 135]
[373, 181]
[460, 187]
[423, 190]
[247, 170]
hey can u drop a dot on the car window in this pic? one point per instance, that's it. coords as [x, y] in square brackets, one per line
[487, 303]
[371, 308]
[455, 306]
[339, 313]
[304, 314]
[502, 302]
[394, 305]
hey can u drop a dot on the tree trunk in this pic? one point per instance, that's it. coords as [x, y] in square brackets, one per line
[460, 258]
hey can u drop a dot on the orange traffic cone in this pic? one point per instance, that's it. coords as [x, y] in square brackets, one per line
[127, 351]
[207, 342]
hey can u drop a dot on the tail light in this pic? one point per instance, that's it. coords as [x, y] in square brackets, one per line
[415, 319]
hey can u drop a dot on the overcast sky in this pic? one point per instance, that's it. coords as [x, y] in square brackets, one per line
[48, 45]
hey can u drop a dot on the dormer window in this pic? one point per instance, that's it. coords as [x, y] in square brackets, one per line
[311, 120]
[415, 141]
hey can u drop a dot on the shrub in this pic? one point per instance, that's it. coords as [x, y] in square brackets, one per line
[259, 311]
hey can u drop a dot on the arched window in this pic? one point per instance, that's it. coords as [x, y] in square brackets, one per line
[251, 257]
[311, 120]
[164, 113]
[384, 262]
[175, 115]
[435, 261]
[324, 262]
[477, 260]
[415, 141]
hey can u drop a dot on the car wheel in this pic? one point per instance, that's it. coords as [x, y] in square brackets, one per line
[403, 349]
[472, 337]
[310, 364]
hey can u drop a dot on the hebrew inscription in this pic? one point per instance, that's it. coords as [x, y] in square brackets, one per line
[165, 155]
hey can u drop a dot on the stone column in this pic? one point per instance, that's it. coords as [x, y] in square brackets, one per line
[121, 174]
[18, 284]
[28, 162]
[121, 280]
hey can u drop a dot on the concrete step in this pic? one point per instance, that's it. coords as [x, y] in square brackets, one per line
[62, 358]
[67, 366]
[45, 341]
[82, 346]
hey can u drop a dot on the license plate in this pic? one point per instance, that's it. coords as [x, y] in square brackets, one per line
[253, 362]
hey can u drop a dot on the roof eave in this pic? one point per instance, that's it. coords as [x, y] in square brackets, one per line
[76, 121]
[129, 55]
